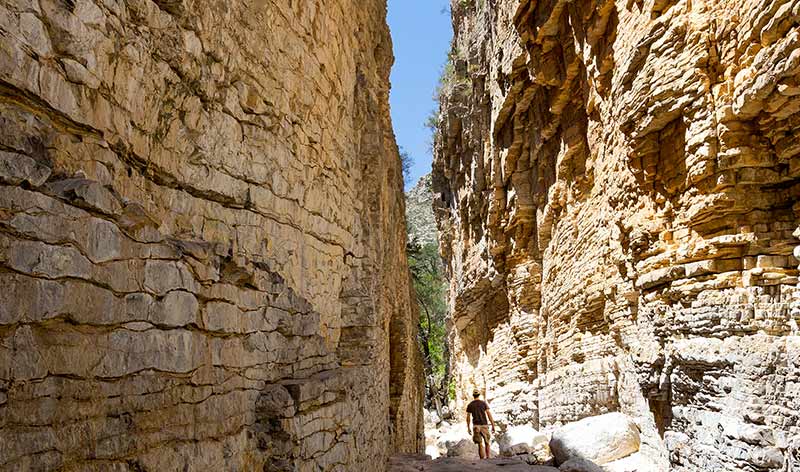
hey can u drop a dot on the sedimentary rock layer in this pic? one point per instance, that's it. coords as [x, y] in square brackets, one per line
[618, 185]
[201, 238]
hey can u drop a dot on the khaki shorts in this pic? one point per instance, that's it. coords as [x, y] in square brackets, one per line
[480, 432]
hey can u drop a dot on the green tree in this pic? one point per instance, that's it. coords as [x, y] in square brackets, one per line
[405, 164]
[430, 288]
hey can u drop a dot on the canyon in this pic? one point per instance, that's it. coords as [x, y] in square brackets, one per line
[203, 236]
[617, 190]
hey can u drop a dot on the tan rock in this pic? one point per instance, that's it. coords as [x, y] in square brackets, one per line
[597, 439]
[637, 462]
[202, 239]
[614, 186]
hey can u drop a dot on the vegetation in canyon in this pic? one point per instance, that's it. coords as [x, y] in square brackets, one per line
[430, 290]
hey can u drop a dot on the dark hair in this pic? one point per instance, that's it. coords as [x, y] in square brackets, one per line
[476, 394]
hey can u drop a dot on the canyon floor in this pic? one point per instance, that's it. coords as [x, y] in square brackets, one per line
[205, 260]
[415, 463]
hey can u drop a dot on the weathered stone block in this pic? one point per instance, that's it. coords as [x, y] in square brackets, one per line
[598, 439]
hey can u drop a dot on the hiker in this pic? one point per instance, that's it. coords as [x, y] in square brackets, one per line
[478, 411]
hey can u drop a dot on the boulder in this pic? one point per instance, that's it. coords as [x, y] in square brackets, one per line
[599, 439]
[579, 465]
[516, 434]
[524, 439]
[636, 462]
[432, 451]
[431, 418]
[515, 450]
[453, 440]
[462, 448]
[449, 434]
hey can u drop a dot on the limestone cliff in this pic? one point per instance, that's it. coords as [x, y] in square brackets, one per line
[617, 186]
[201, 238]
[419, 212]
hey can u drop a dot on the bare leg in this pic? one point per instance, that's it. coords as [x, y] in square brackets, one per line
[480, 450]
[487, 450]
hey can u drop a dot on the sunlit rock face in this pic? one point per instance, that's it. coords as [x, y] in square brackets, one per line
[419, 212]
[617, 190]
[201, 238]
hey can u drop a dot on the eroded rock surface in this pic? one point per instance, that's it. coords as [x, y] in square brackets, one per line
[617, 188]
[201, 238]
[419, 212]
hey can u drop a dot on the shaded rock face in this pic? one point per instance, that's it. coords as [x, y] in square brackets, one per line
[617, 187]
[201, 238]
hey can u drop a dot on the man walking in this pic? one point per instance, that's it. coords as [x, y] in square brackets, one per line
[478, 412]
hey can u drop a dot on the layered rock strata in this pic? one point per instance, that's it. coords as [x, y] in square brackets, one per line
[617, 190]
[201, 238]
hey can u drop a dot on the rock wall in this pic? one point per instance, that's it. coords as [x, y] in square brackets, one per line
[617, 190]
[419, 212]
[202, 242]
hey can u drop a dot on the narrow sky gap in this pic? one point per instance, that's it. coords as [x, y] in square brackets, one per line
[421, 32]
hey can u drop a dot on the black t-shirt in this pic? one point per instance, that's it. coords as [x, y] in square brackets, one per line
[477, 408]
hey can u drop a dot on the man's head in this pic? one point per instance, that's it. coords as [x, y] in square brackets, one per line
[476, 394]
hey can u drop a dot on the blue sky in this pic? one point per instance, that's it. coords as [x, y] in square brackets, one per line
[421, 32]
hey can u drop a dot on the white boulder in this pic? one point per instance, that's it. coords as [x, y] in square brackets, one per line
[524, 439]
[599, 439]
[432, 451]
[636, 462]
[450, 434]
[464, 448]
